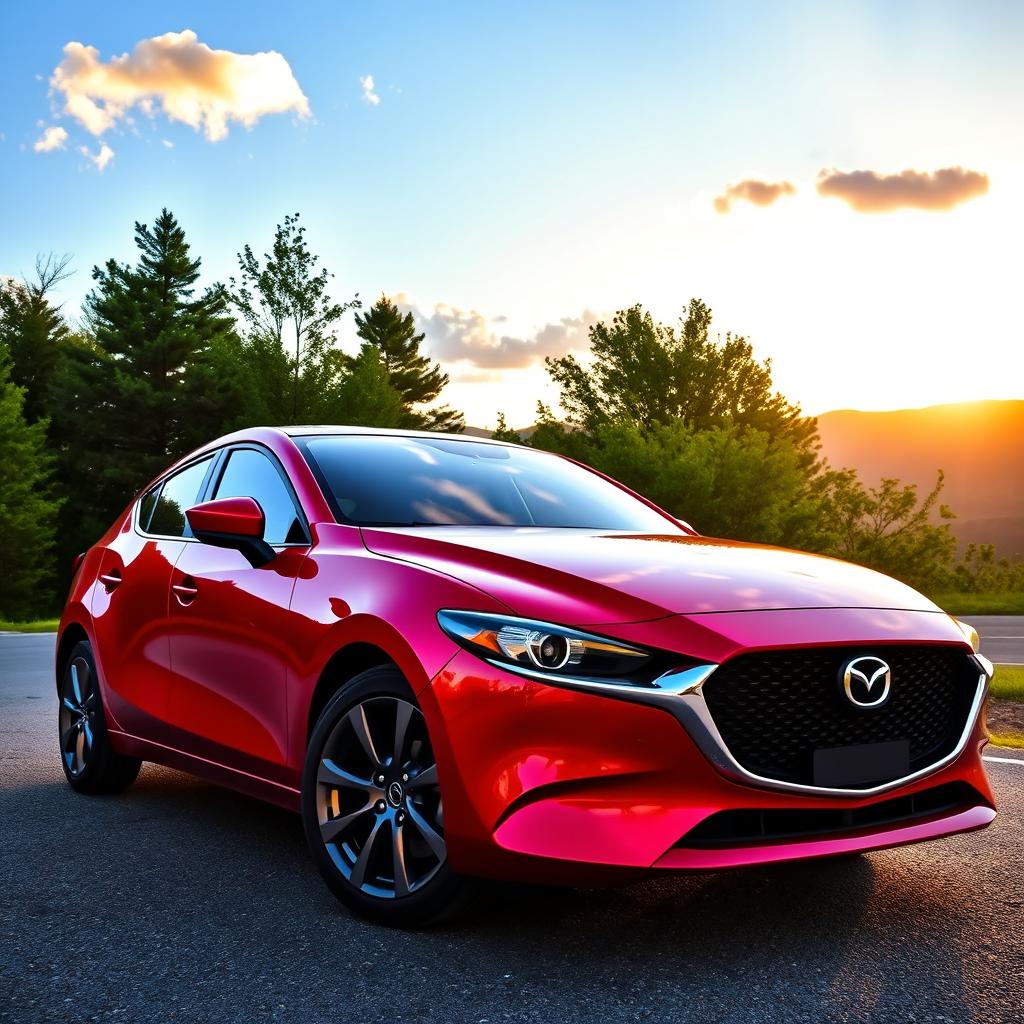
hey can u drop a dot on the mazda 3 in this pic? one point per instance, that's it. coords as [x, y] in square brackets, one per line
[460, 659]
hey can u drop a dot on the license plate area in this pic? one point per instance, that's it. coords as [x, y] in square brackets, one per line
[836, 767]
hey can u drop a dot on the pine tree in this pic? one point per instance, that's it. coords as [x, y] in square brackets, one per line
[412, 374]
[503, 432]
[28, 509]
[152, 380]
[34, 332]
[363, 395]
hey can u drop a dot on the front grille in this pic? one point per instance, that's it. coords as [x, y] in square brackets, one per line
[775, 708]
[776, 825]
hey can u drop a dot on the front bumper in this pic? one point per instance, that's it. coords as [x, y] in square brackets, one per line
[551, 784]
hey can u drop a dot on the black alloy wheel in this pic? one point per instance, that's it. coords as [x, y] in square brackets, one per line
[372, 806]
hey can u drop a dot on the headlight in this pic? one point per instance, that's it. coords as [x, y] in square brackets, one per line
[541, 648]
[970, 635]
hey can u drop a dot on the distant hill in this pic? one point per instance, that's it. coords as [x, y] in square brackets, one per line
[979, 445]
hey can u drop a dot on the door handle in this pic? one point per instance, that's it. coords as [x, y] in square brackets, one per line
[186, 591]
[111, 580]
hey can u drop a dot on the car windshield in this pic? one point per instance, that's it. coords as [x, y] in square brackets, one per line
[415, 481]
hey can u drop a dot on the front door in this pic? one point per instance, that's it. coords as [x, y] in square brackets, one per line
[230, 634]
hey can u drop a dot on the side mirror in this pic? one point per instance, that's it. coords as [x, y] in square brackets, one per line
[232, 523]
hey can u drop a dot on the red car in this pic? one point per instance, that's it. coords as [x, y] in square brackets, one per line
[458, 659]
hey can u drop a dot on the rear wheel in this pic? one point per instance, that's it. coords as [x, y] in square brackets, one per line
[91, 765]
[371, 805]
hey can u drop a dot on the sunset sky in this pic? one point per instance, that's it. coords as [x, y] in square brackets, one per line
[843, 183]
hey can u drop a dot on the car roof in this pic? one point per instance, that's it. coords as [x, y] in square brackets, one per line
[327, 430]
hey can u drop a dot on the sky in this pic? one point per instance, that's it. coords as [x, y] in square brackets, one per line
[841, 183]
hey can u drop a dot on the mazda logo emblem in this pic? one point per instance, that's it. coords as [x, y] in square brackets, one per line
[395, 794]
[866, 681]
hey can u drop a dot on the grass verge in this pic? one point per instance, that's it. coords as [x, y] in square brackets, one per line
[39, 626]
[1008, 683]
[1010, 602]
[1007, 739]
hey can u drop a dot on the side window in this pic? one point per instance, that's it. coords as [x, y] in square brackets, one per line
[178, 494]
[251, 474]
[146, 506]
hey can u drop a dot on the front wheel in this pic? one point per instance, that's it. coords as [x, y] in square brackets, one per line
[371, 805]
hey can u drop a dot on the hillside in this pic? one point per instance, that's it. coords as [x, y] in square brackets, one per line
[980, 445]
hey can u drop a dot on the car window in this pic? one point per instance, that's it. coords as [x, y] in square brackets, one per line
[251, 474]
[146, 506]
[417, 481]
[178, 494]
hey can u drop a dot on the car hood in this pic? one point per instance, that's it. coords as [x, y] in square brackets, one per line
[588, 576]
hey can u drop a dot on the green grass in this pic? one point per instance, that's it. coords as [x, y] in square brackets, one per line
[39, 626]
[1008, 683]
[1010, 602]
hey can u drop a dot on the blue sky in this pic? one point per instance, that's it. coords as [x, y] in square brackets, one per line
[541, 164]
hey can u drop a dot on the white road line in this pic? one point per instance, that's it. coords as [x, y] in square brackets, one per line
[1003, 760]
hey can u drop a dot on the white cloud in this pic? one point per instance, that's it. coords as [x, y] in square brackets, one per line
[369, 96]
[99, 159]
[52, 138]
[167, 144]
[186, 79]
[453, 335]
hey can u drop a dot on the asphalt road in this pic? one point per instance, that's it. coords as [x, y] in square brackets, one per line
[1002, 637]
[179, 901]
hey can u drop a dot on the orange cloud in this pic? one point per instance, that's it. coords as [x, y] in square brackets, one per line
[760, 193]
[870, 192]
[190, 82]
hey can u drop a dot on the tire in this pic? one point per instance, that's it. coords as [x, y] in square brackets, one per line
[371, 806]
[90, 763]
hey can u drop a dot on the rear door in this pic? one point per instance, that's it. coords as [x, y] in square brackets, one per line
[230, 628]
[129, 601]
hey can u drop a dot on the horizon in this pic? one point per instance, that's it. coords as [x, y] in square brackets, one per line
[838, 185]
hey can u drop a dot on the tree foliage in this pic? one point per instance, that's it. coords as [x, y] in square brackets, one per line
[417, 379]
[290, 322]
[28, 507]
[650, 374]
[34, 332]
[152, 380]
[888, 527]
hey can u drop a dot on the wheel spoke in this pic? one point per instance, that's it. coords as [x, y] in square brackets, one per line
[433, 838]
[76, 685]
[403, 716]
[87, 732]
[90, 701]
[70, 705]
[360, 726]
[68, 737]
[427, 777]
[332, 829]
[398, 860]
[358, 876]
[331, 774]
[79, 762]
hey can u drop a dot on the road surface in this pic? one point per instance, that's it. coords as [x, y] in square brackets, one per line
[179, 901]
[1002, 637]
